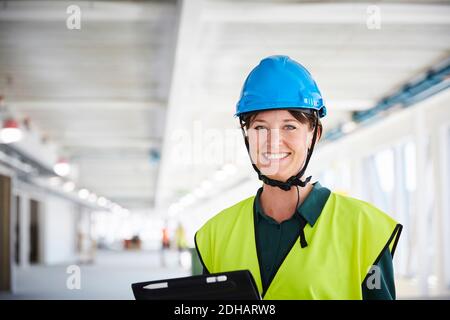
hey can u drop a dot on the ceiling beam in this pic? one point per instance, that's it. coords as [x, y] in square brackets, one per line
[83, 142]
[323, 13]
[113, 104]
[91, 11]
[180, 94]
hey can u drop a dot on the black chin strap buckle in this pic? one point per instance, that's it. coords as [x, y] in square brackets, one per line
[286, 186]
[303, 242]
[297, 182]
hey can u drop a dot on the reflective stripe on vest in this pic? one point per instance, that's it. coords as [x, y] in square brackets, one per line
[344, 243]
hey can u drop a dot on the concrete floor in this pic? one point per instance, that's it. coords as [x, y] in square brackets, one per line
[110, 277]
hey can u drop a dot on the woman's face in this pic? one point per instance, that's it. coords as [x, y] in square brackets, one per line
[278, 143]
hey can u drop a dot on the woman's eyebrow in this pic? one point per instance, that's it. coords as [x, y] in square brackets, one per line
[284, 120]
[259, 120]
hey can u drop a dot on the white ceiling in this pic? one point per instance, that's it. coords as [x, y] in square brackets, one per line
[99, 92]
[143, 75]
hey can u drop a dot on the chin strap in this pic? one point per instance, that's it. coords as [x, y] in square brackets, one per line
[292, 181]
[302, 237]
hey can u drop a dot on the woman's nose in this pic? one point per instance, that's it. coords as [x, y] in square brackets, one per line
[274, 139]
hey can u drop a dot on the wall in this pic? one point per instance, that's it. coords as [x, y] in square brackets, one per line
[58, 231]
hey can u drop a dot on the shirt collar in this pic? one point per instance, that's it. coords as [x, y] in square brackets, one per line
[310, 209]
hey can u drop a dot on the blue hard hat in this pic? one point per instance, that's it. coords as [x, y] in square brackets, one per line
[279, 82]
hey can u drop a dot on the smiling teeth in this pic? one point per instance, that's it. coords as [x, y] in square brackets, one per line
[276, 155]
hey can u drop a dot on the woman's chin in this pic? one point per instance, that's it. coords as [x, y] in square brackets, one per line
[278, 177]
[278, 173]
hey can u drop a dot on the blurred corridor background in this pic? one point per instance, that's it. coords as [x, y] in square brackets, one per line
[118, 139]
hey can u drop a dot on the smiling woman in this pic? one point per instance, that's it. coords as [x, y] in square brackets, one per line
[299, 240]
[277, 140]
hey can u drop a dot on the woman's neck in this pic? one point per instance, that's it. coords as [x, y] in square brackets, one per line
[279, 204]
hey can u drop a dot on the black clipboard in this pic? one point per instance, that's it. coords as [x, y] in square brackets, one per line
[234, 285]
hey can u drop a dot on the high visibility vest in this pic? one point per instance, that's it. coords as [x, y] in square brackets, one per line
[343, 245]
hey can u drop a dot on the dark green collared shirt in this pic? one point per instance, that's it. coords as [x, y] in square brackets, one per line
[274, 241]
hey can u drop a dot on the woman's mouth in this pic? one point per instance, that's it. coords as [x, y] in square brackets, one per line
[276, 156]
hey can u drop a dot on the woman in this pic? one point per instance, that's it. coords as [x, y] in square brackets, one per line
[299, 240]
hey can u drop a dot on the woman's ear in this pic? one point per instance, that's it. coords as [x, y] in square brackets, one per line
[319, 134]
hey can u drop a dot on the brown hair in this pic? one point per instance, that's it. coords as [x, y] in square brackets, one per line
[303, 117]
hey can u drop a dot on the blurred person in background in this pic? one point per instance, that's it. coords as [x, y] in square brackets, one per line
[165, 245]
[180, 239]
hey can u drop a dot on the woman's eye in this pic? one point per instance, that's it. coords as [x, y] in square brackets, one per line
[290, 127]
[259, 128]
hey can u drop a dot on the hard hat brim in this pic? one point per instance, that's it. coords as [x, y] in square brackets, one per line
[321, 110]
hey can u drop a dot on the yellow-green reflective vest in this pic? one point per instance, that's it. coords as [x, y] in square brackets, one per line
[344, 243]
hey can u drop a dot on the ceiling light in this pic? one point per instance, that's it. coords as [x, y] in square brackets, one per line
[199, 193]
[69, 186]
[206, 185]
[220, 175]
[62, 168]
[83, 193]
[10, 132]
[92, 197]
[101, 202]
